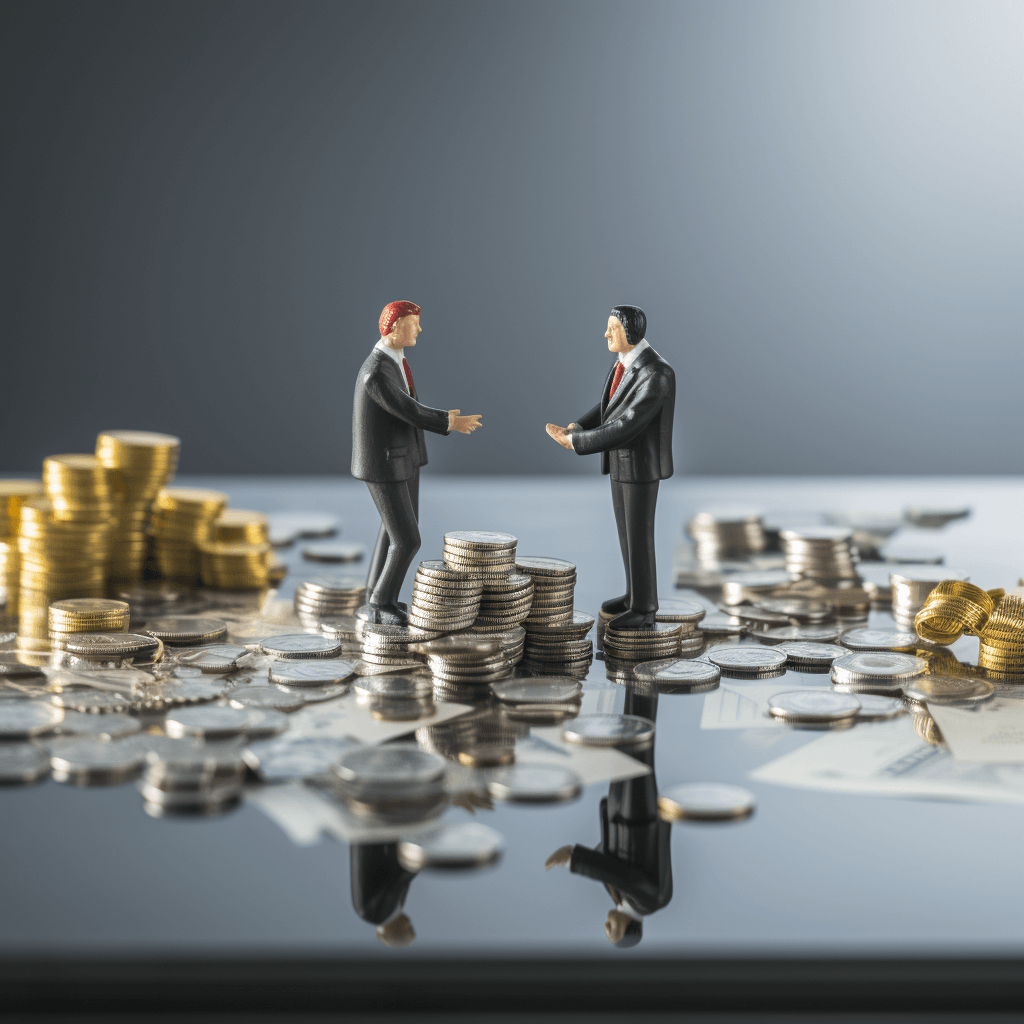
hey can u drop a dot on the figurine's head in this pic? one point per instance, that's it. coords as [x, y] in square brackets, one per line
[627, 326]
[400, 323]
[622, 930]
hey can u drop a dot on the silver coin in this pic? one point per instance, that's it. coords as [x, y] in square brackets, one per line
[264, 697]
[879, 640]
[394, 687]
[321, 672]
[287, 758]
[214, 660]
[874, 707]
[609, 730]
[22, 719]
[716, 622]
[674, 610]
[211, 721]
[22, 763]
[464, 846]
[755, 616]
[541, 565]
[114, 645]
[580, 624]
[812, 634]
[813, 706]
[333, 552]
[94, 702]
[186, 672]
[469, 647]
[265, 721]
[302, 524]
[795, 608]
[684, 675]
[186, 629]
[175, 692]
[389, 765]
[941, 689]
[706, 801]
[86, 762]
[537, 690]
[482, 539]
[736, 658]
[878, 665]
[535, 784]
[301, 645]
[110, 726]
[800, 653]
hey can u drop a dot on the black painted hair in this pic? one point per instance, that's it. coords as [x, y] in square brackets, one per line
[635, 929]
[633, 320]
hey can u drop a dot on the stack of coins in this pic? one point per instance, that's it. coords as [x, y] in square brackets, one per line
[144, 462]
[240, 526]
[953, 608]
[752, 586]
[911, 587]
[80, 488]
[14, 494]
[59, 559]
[10, 570]
[563, 643]
[485, 727]
[822, 553]
[182, 519]
[444, 599]
[463, 663]
[662, 640]
[390, 646]
[325, 597]
[235, 566]
[86, 615]
[480, 552]
[554, 585]
[727, 535]
[511, 640]
[1002, 638]
[685, 614]
[505, 602]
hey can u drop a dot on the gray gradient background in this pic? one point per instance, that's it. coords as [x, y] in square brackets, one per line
[205, 206]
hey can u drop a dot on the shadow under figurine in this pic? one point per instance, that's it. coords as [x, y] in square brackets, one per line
[387, 451]
[631, 429]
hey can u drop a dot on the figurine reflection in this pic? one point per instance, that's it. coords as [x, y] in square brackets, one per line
[634, 857]
[379, 888]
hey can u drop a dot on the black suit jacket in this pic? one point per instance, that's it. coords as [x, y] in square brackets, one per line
[633, 431]
[379, 883]
[388, 423]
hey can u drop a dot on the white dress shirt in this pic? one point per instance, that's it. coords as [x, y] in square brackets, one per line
[626, 358]
[399, 358]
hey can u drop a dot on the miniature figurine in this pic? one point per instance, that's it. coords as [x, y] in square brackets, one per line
[380, 886]
[387, 452]
[631, 428]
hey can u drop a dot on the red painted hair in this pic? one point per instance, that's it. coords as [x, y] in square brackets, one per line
[393, 312]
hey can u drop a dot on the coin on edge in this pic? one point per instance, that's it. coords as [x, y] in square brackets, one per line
[706, 801]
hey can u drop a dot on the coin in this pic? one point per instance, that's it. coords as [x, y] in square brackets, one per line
[680, 675]
[179, 692]
[716, 623]
[674, 610]
[873, 666]
[943, 689]
[253, 696]
[209, 721]
[609, 731]
[389, 772]
[320, 672]
[491, 755]
[541, 565]
[286, 526]
[535, 784]
[109, 645]
[111, 726]
[804, 609]
[89, 763]
[475, 540]
[537, 690]
[464, 846]
[94, 701]
[213, 659]
[879, 640]
[806, 653]
[819, 706]
[736, 658]
[287, 758]
[333, 552]
[875, 707]
[22, 719]
[706, 801]
[186, 629]
[815, 634]
[301, 645]
[22, 763]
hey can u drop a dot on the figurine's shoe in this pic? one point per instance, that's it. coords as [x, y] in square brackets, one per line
[616, 605]
[386, 615]
[404, 607]
[633, 620]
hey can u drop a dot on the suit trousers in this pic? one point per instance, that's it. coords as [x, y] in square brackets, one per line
[398, 540]
[634, 506]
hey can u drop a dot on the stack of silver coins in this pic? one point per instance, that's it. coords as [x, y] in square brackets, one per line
[506, 602]
[444, 599]
[662, 640]
[389, 646]
[686, 615]
[487, 727]
[463, 664]
[344, 629]
[328, 597]
[821, 553]
[554, 585]
[396, 698]
[395, 782]
[512, 641]
[558, 646]
[186, 776]
[480, 552]
[727, 535]
[911, 587]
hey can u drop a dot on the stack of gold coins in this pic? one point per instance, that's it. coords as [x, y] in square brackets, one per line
[10, 569]
[59, 559]
[953, 608]
[144, 462]
[86, 615]
[13, 494]
[183, 518]
[79, 487]
[240, 525]
[237, 566]
[1002, 638]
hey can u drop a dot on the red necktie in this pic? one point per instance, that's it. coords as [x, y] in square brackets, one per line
[408, 375]
[619, 371]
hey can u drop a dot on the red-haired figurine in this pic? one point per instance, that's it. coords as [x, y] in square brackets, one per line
[387, 452]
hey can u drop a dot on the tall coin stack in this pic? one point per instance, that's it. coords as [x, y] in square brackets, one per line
[325, 597]
[554, 585]
[444, 600]
[85, 615]
[727, 535]
[241, 526]
[10, 570]
[182, 519]
[820, 553]
[235, 566]
[59, 559]
[911, 587]
[144, 462]
[1002, 639]
[505, 602]
[560, 646]
[13, 494]
[480, 552]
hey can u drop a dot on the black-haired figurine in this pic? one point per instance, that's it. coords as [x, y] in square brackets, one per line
[631, 429]
[387, 452]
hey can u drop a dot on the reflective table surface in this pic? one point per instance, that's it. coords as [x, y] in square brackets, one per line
[814, 881]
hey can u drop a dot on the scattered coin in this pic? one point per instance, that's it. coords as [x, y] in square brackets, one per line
[333, 552]
[810, 653]
[942, 689]
[873, 667]
[301, 645]
[319, 672]
[22, 719]
[22, 763]
[810, 634]
[537, 690]
[747, 658]
[264, 697]
[285, 527]
[684, 676]
[609, 731]
[186, 629]
[389, 765]
[88, 763]
[463, 846]
[879, 640]
[265, 722]
[488, 755]
[875, 707]
[706, 801]
[211, 721]
[813, 706]
[110, 726]
[535, 784]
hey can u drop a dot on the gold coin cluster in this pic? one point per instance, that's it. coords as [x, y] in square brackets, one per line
[953, 608]
[183, 518]
[86, 615]
[1002, 639]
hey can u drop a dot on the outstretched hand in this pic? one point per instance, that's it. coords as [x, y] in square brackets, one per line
[561, 434]
[462, 424]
